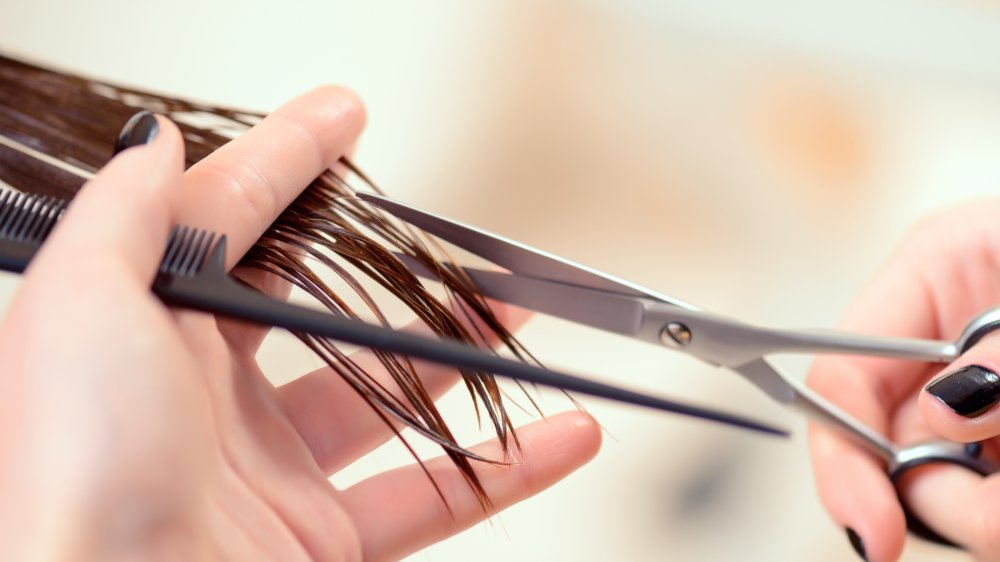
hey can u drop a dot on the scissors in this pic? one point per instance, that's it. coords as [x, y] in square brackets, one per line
[559, 287]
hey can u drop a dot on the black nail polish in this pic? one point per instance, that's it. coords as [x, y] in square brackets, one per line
[140, 129]
[969, 391]
[857, 543]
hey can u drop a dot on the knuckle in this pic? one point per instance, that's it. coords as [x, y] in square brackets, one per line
[837, 380]
[928, 233]
[247, 188]
[822, 379]
[961, 227]
[525, 481]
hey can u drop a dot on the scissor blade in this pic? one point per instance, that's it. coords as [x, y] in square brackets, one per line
[599, 309]
[513, 255]
[797, 396]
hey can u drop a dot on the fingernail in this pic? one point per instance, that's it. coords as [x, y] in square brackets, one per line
[857, 543]
[140, 129]
[969, 391]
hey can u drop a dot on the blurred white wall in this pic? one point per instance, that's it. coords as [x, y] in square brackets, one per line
[757, 158]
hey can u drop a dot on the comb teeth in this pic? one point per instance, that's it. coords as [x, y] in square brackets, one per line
[28, 218]
[186, 251]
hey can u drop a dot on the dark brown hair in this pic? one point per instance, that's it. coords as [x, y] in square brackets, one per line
[57, 129]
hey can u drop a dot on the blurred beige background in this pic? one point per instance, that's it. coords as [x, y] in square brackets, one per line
[756, 158]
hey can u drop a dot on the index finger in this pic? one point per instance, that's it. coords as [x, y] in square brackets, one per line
[243, 186]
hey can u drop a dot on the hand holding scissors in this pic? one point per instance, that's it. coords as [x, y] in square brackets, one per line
[942, 275]
[558, 287]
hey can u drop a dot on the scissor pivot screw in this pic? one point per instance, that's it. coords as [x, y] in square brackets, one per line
[675, 334]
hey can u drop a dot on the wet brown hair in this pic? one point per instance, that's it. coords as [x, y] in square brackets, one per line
[57, 129]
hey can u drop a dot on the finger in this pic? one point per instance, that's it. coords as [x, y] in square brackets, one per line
[338, 425]
[852, 482]
[119, 219]
[968, 514]
[399, 512]
[84, 319]
[960, 403]
[242, 187]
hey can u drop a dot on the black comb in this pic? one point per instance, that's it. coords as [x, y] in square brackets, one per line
[192, 275]
[25, 222]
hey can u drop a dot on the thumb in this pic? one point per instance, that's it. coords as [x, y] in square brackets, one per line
[76, 421]
[960, 404]
[121, 217]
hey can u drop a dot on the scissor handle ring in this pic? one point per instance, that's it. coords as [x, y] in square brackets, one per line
[966, 455]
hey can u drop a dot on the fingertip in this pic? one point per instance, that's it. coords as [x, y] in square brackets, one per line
[142, 177]
[880, 535]
[583, 433]
[171, 137]
[140, 129]
[145, 129]
[858, 495]
[124, 213]
[857, 543]
[345, 100]
[333, 115]
[146, 163]
[961, 404]
[941, 419]
[559, 444]
[395, 516]
[550, 449]
[169, 144]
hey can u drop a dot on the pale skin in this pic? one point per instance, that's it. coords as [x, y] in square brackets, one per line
[130, 431]
[945, 274]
